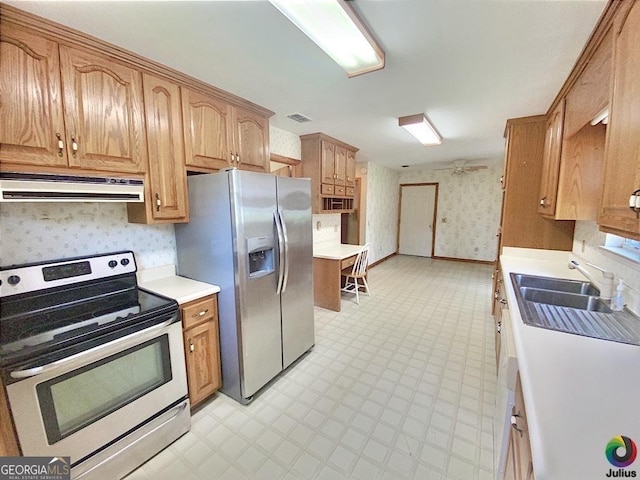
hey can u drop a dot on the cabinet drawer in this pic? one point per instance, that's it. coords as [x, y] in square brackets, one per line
[351, 191]
[199, 311]
[339, 191]
[327, 189]
[347, 262]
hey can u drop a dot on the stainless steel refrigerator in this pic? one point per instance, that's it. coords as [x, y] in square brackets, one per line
[251, 234]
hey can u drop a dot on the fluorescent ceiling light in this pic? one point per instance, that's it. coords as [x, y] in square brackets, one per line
[418, 125]
[336, 28]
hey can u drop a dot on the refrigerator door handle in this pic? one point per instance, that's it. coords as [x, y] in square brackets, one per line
[285, 281]
[281, 250]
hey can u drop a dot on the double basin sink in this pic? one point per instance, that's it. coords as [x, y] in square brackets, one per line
[572, 306]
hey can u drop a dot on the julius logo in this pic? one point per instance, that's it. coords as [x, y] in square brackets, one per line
[621, 452]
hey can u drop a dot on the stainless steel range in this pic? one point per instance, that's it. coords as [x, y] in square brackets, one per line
[93, 365]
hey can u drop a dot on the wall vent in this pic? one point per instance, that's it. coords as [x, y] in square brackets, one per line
[298, 117]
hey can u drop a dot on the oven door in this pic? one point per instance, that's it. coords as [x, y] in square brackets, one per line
[79, 404]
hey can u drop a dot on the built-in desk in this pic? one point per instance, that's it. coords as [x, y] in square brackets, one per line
[328, 261]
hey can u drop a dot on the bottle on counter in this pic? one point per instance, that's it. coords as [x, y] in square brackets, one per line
[617, 299]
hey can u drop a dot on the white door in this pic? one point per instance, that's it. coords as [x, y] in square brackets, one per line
[417, 209]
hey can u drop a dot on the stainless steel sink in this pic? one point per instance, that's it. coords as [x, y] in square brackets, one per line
[556, 284]
[564, 299]
[572, 306]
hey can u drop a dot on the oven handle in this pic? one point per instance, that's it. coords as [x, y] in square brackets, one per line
[32, 372]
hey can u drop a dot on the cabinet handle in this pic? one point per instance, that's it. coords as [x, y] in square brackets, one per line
[60, 144]
[238, 158]
[191, 346]
[502, 180]
[200, 314]
[514, 423]
[233, 158]
[503, 301]
[543, 201]
[74, 145]
[158, 202]
[499, 327]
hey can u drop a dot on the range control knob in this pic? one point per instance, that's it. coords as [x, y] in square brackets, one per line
[112, 263]
[13, 280]
[124, 262]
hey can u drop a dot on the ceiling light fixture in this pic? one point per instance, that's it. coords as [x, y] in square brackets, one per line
[418, 125]
[336, 28]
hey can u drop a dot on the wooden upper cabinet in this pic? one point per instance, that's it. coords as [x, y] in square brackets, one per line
[251, 140]
[166, 181]
[63, 107]
[340, 166]
[551, 161]
[350, 169]
[103, 113]
[31, 114]
[207, 136]
[218, 134]
[328, 162]
[589, 95]
[622, 156]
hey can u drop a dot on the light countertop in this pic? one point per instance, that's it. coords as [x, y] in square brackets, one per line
[579, 392]
[337, 251]
[164, 281]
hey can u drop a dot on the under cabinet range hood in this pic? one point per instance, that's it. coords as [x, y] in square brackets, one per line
[32, 187]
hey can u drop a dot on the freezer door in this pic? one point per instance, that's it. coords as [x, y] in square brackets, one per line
[253, 203]
[296, 299]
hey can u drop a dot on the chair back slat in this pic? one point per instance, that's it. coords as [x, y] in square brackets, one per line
[360, 265]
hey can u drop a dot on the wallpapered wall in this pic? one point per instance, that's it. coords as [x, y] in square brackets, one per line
[34, 232]
[471, 205]
[382, 210]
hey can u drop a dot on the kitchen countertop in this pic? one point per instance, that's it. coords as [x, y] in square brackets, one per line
[338, 251]
[164, 281]
[579, 392]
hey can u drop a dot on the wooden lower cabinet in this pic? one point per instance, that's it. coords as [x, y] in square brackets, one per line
[202, 347]
[519, 462]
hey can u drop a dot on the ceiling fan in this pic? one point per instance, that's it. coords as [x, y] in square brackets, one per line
[460, 167]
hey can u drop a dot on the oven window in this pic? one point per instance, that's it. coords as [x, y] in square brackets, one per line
[76, 399]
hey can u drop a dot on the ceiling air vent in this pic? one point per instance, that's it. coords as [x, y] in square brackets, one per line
[298, 117]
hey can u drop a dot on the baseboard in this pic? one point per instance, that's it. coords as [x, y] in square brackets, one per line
[467, 260]
[378, 262]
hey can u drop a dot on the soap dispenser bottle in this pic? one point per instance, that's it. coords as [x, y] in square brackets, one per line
[617, 299]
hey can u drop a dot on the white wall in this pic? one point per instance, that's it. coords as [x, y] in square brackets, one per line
[382, 211]
[468, 214]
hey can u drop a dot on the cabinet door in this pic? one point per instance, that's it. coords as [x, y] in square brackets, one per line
[167, 174]
[622, 156]
[340, 166]
[103, 113]
[252, 140]
[327, 162]
[520, 437]
[350, 169]
[551, 161]
[207, 130]
[203, 366]
[31, 116]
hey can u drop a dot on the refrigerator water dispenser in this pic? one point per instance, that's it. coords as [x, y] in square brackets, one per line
[261, 258]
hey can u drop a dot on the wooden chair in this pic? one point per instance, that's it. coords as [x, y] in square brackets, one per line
[357, 272]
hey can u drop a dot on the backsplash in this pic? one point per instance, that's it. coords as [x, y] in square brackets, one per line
[326, 229]
[590, 251]
[34, 232]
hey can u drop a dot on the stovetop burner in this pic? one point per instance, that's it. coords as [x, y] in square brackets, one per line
[41, 320]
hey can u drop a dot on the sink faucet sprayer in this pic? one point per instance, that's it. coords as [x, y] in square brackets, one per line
[606, 289]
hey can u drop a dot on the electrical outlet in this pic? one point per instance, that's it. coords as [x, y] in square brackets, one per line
[318, 225]
[584, 244]
[444, 219]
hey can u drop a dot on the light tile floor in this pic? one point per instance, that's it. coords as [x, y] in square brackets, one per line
[400, 387]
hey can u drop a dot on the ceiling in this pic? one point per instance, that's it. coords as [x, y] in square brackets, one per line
[468, 64]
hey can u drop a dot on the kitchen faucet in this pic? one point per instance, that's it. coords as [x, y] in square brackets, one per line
[606, 289]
